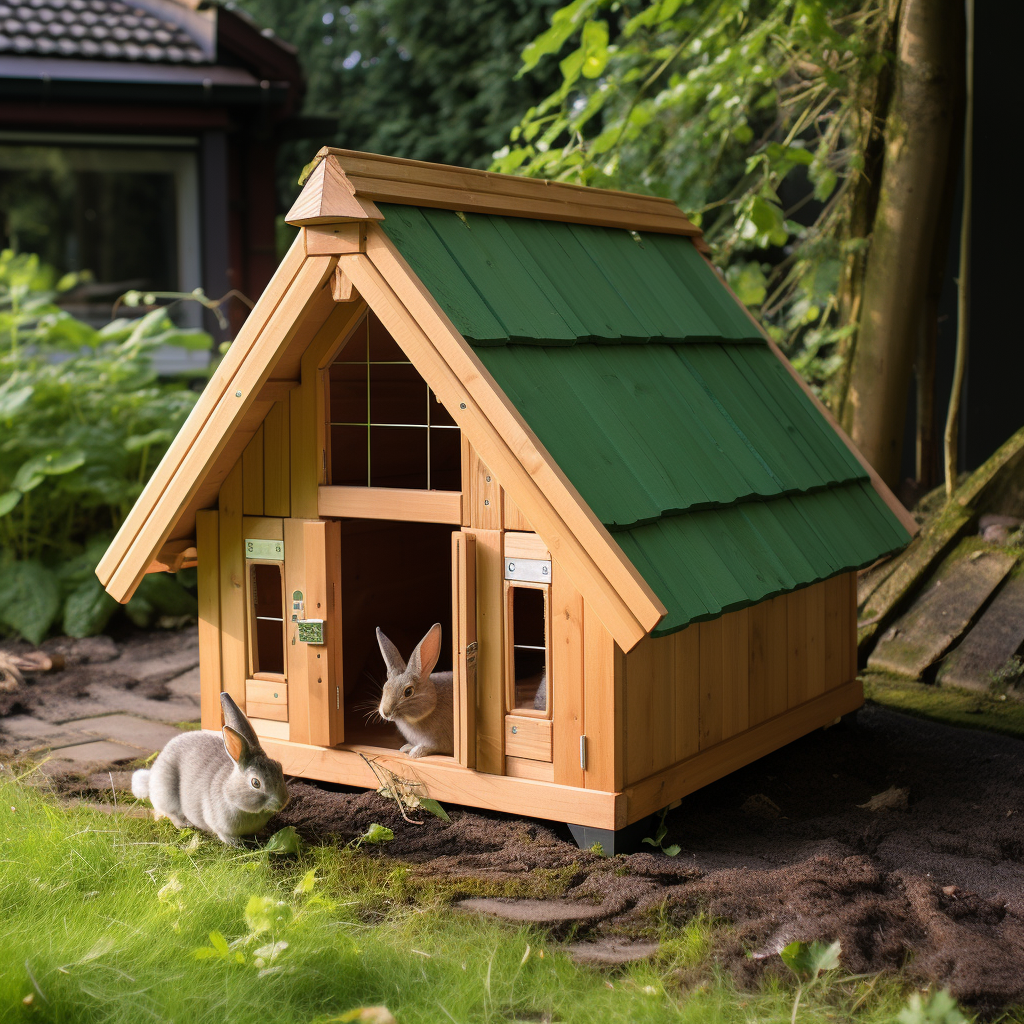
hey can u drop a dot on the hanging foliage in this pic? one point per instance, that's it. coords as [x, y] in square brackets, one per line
[761, 118]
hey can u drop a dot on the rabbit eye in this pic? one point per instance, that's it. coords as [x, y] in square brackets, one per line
[408, 691]
[255, 783]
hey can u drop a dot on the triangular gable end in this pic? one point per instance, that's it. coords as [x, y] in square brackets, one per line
[298, 303]
[292, 308]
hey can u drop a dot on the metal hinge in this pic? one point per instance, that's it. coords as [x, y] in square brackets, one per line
[583, 753]
[337, 698]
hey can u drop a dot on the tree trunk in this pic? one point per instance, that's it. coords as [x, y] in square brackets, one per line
[918, 132]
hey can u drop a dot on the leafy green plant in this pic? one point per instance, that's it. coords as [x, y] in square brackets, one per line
[83, 422]
[808, 961]
[659, 837]
[936, 1008]
[759, 118]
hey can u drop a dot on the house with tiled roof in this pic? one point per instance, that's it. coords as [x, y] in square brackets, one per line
[138, 141]
[533, 413]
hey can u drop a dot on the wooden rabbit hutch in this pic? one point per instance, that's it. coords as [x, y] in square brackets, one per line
[534, 413]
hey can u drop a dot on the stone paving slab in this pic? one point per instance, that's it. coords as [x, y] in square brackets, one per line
[186, 685]
[137, 732]
[534, 911]
[103, 751]
[610, 952]
[37, 731]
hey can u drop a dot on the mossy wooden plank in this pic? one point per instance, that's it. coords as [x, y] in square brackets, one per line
[986, 651]
[940, 615]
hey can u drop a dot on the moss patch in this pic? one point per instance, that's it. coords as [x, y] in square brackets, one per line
[948, 705]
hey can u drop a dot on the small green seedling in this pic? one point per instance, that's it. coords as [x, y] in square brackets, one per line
[659, 837]
[808, 961]
[374, 835]
[285, 840]
[937, 1008]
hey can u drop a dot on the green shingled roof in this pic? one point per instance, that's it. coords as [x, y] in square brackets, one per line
[659, 400]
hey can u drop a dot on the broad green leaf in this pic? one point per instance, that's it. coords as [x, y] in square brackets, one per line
[29, 599]
[377, 834]
[88, 609]
[594, 43]
[219, 943]
[435, 808]
[671, 851]
[285, 840]
[747, 280]
[12, 401]
[8, 500]
[808, 959]
[166, 596]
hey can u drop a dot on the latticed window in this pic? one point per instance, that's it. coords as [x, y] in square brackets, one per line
[387, 427]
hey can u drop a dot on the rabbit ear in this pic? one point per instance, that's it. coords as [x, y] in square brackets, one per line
[234, 718]
[235, 744]
[428, 650]
[394, 661]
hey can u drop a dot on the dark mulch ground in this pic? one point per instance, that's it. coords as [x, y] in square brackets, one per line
[782, 850]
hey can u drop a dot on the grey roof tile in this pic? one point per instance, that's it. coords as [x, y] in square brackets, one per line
[94, 29]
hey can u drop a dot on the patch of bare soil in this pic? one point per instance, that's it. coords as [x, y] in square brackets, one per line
[781, 850]
[932, 882]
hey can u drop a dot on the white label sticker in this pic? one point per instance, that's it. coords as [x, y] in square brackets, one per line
[270, 549]
[529, 570]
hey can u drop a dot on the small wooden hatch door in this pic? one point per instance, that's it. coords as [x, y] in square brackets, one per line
[527, 631]
[464, 646]
[319, 631]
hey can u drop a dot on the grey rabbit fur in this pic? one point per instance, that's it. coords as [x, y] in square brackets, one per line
[418, 701]
[222, 783]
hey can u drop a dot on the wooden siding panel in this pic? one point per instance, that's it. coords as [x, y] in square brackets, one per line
[252, 475]
[769, 686]
[566, 689]
[232, 587]
[322, 553]
[602, 713]
[649, 707]
[208, 573]
[485, 496]
[686, 726]
[490, 672]
[298, 675]
[276, 452]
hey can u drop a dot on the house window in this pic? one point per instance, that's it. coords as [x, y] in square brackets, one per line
[527, 625]
[268, 632]
[387, 427]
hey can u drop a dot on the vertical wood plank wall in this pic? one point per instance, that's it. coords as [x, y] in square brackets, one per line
[684, 693]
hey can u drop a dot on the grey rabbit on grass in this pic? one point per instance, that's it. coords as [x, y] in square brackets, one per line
[223, 783]
[416, 699]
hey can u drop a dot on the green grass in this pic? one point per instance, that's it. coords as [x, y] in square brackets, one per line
[101, 917]
[948, 705]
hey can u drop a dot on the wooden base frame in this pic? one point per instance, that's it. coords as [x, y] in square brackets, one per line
[446, 780]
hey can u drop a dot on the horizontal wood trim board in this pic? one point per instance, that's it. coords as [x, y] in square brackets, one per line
[526, 768]
[268, 729]
[528, 737]
[447, 781]
[411, 506]
[391, 179]
[277, 712]
[264, 692]
[525, 545]
[675, 782]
